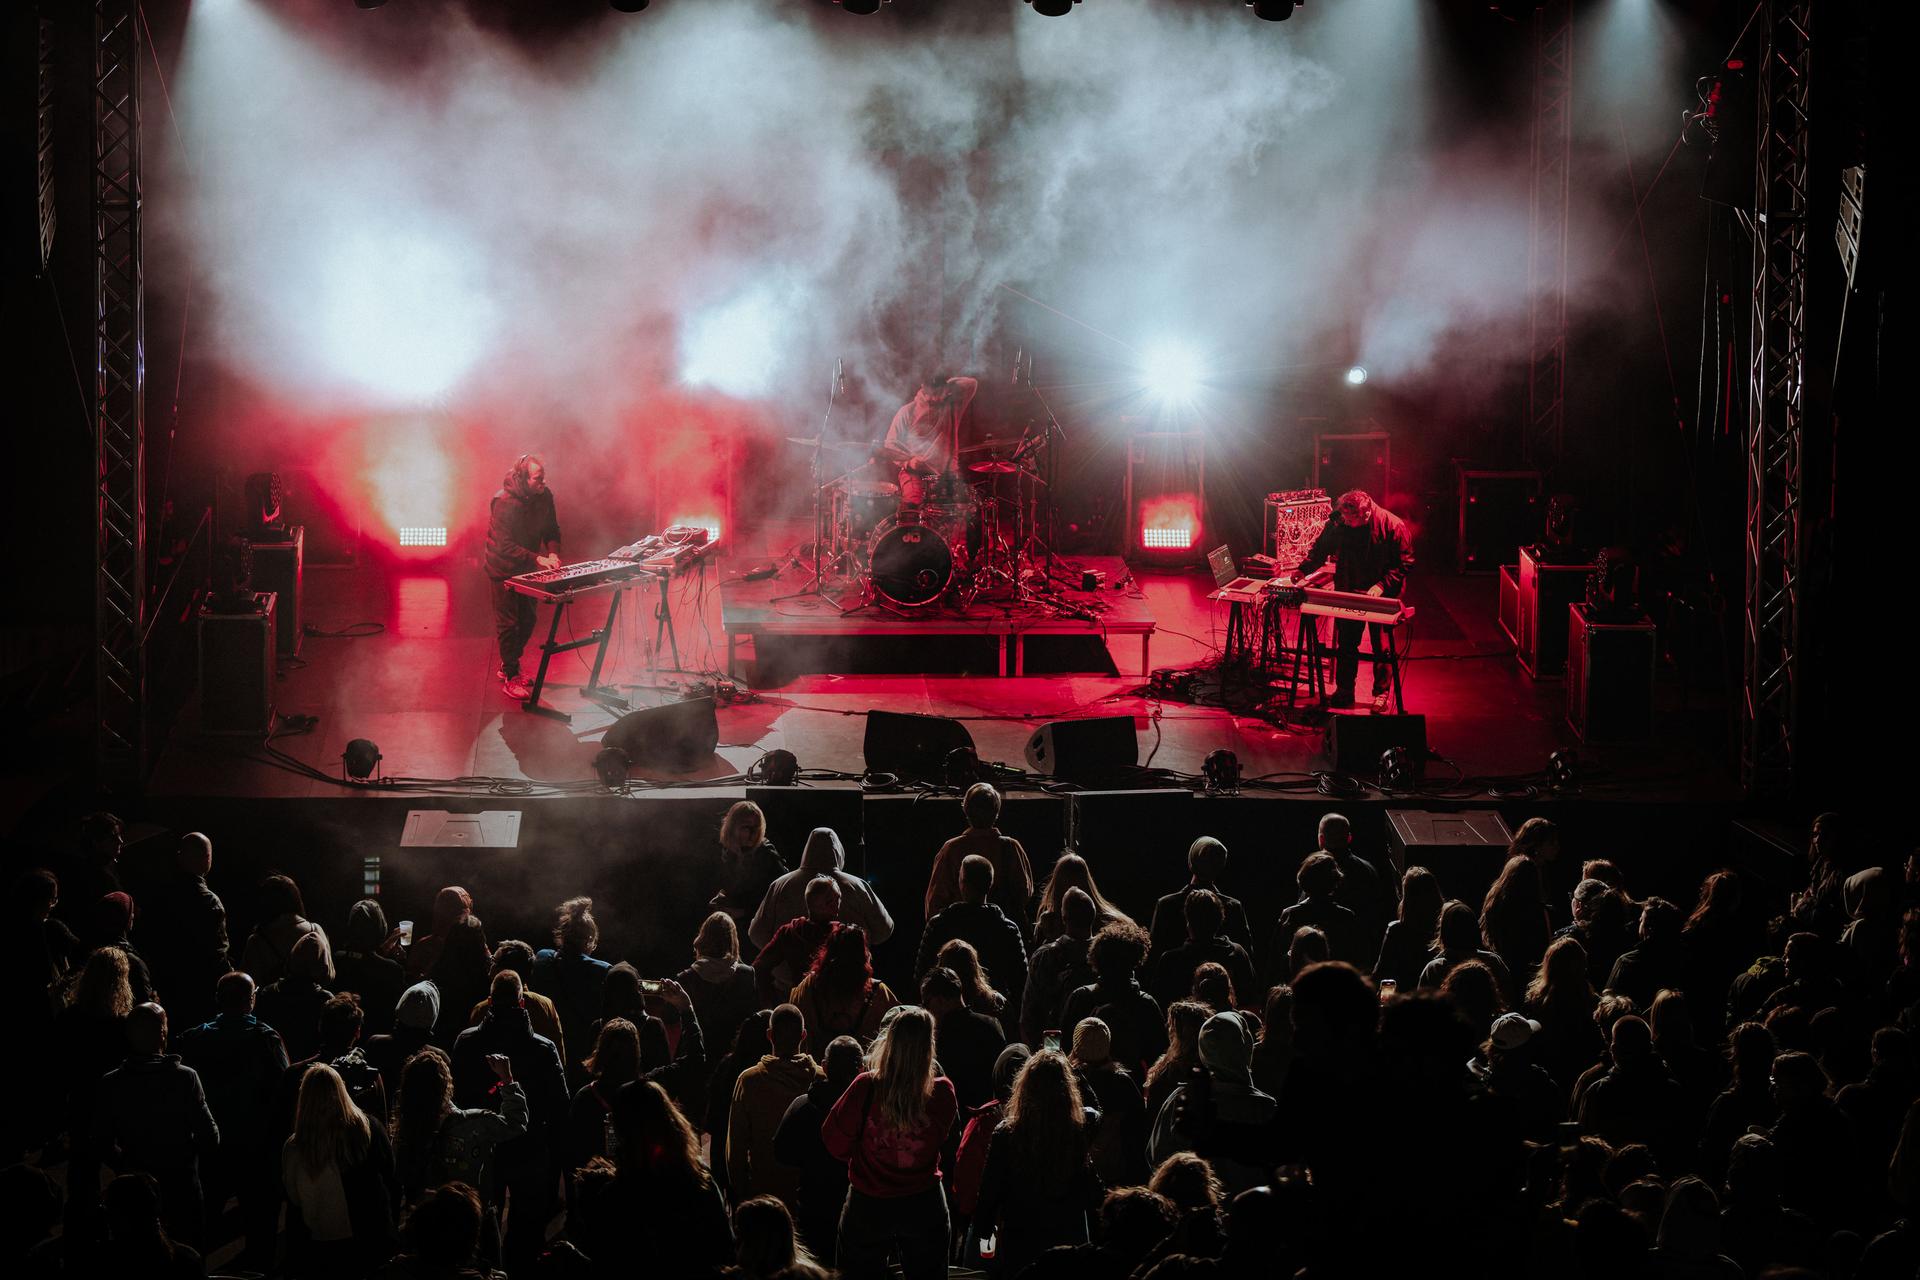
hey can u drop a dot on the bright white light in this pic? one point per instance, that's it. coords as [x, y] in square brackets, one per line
[402, 312]
[1356, 375]
[1174, 373]
[733, 348]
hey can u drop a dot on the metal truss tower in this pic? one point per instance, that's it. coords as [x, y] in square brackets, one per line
[1777, 388]
[119, 340]
[1545, 435]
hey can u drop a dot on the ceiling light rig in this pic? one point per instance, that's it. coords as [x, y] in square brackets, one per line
[627, 6]
[1273, 10]
[1053, 8]
[862, 7]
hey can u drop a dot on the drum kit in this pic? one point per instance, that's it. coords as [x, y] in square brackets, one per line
[924, 538]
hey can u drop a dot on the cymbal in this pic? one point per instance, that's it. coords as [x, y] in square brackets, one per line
[992, 446]
[993, 467]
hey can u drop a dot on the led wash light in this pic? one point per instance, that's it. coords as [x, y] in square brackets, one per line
[422, 536]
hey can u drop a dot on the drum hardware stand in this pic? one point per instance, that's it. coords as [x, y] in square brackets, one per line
[817, 585]
[1049, 430]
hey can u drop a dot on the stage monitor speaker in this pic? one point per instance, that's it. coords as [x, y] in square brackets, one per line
[1344, 460]
[1464, 850]
[236, 668]
[1500, 512]
[678, 735]
[1610, 670]
[912, 746]
[1077, 750]
[1355, 743]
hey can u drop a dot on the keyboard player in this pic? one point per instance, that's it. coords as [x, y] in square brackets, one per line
[1371, 551]
[523, 534]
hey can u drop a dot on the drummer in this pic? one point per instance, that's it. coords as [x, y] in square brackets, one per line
[924, 435]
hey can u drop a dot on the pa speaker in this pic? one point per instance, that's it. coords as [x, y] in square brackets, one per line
[912, 746]
[677, 736]
[1080, 749]
[1356, 743]
[1465, 850]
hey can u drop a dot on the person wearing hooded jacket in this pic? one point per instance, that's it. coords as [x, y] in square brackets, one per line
[821, 1179]
[523, 534]
[153, 1112]
[365, 964]
[1209, 1113]
[761, 1097]
[786, 897]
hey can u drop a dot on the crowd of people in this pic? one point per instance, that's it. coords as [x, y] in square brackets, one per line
[1561, 1079]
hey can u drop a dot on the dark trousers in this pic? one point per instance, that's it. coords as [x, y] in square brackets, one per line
[246, 1172]
[1346, 659]
[513, 618]
[915, 1227]
[529, 1180]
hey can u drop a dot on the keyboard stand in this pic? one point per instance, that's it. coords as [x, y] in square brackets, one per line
[592, 690]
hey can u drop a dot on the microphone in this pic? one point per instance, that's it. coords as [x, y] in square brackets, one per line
[839, 378]
[1019, 355]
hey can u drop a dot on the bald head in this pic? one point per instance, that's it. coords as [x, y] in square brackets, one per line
[194, 857]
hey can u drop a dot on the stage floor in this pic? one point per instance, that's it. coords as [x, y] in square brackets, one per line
[423, 688]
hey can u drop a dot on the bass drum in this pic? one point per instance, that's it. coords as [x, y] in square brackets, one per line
[911, 565]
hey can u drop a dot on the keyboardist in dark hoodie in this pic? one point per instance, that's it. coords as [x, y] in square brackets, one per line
[1371, 551]
[523, 534]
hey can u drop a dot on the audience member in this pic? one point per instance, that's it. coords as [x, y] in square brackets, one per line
[1039, 1183]
[1458, 941]
[785, 957]
[570, 975]
[90, 1034]
[152, 1117]
[1308, 946]
[1513, 918]
[1204, 943]
[786, 897]
[889, 1127]
[1561, 999]
[1273, 1053]
[1011, 886]
[462, 971]
[1603, 923]
[723, 990]
[970, 1158]
[1637, 1100]
[749, 1047]
[440, 1237]
[1070, 872]
[1658, 959]
[279, 906]
[761, 1097]
[1408, 943]
[1114, 996]
[183, 931]
[1361, 889]
[137, 1241]
[1119, 1137]
[436, 1142]
[1320, 907]
[541, 1012]
[840, 996]
[366, 964]
[748, 863]
[958, 955]
[1134, 1223]
[1818, 1152]
[414, 1019]
[766, 1246]
[450, 906]
[1059, 967]
[994, 935]
[821, 1178]
[966, 1042]
[111, 925]
[1181, 1057]
[1473, 990]
[1189, 1183]
[342, 1192]
[655, 1200]
[1718, 943]
[291, 1003]
[1217, 1112]
[1206, 865]
[240, 1061]
[614, 1063]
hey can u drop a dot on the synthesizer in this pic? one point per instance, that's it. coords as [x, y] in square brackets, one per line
[1352, 606]
[578, 579]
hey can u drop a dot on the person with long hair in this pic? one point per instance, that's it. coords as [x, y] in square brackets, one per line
[975, 982]
[889, 1127]
[748, 863]
[136, 1241]
[1273, 1052]
[435, 1142]
[840, 996]
[1039, 1182]
[720, 985]
[994, 936]
[1457, 940]
[766, 1247]
[1189, 1182]
[570, 975]
[1513, 917]
[90, 1033]
[279, 907]
[1719, 944]
[654, 1199]
[1071, 872]
[1746, 1105]
[1408, 943]
[451, 905]
[1473, 989]
[614, 1063]
[341, 1184]
[1561, 999]
[1181, 1057]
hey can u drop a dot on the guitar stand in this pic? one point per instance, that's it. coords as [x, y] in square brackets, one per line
[593, 690]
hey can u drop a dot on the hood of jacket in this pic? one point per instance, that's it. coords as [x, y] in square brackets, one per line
[797, 1073]
[153, 1065]
[1226, 1048]
[366, 927]
[1867, 894]
[824, 851]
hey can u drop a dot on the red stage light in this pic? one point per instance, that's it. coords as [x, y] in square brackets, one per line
[423, 536]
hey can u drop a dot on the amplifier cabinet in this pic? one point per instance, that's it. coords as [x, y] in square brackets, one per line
[236, 668]
[1546, 590]
[1610, 670]
[1499, 512]
[1510, 602]
[277, 568]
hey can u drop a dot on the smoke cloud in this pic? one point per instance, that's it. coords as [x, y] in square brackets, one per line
[672, 225]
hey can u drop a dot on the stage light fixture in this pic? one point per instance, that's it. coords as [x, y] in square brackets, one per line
[1396, 768]
[628, 6]
[1563, 770]
[1356, 375]
[1222, 770]
[610, 765]
[777, 768]
[862, 7]
[361, 758]
[962, 767]
[368, 4]
[1272, 10]
[1053, 8]
[1173, 373]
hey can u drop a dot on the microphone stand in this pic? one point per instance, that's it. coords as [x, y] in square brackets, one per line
[1051, 428]
[818, 586]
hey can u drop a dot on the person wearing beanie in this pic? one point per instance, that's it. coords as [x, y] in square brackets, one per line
[1120, 1137]
[1220, 1111]
[1206, 864]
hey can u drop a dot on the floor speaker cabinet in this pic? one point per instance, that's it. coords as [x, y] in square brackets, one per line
[1546, 591]
[1082, 750]
[793, 813]
[1610, 670]
[1510, 602]
[678, 736]
[236, 668]
[1500, 511]
[277, 568]
[912, 746]
[1356, 742]
[1464, 850]
[1344, 460]
[1134, 841]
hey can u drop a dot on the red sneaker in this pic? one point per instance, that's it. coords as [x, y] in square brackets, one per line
[516, 687]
